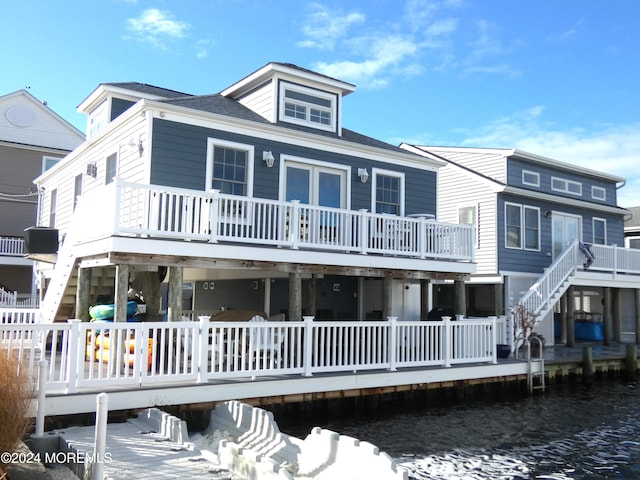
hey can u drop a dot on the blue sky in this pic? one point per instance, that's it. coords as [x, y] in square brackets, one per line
[559, 78]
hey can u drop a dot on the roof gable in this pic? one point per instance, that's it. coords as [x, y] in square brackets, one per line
[25, 120]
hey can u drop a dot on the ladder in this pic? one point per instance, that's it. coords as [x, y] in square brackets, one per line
[535, 365]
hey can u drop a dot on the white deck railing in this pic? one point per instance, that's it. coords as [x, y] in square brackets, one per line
[12, 246]
[164, 212]
[91, 356]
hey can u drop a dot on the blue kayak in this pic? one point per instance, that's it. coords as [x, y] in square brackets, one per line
[105, 312]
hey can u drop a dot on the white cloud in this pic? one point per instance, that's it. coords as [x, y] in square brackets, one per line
[387, 56]
[613, 150]
[423, 35]
[156, 27]
[324, 27]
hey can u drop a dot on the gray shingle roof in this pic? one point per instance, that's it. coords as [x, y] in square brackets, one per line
[149, 89]
[219, 104]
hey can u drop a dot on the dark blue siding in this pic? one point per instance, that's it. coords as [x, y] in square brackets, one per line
[118, 106]
[514, 178]
[179, 156]
[516, 260]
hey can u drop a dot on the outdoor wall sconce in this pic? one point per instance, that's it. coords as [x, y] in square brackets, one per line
[268, 158]
[133, 144]
[547, 214]
[363, 174]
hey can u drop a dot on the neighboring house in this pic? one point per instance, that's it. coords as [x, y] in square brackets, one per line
[256, 198]
[632, 229]
[32, 139]
[527, 209]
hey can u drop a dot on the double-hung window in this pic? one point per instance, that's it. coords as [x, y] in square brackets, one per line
[469, 215]
[306, 106]
[111, 168]
[388, 192]
[230, 167]
[599, 231]
[77, 189]
[522, 227]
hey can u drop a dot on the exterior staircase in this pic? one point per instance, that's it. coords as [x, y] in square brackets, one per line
[59, 300]
[543, 295]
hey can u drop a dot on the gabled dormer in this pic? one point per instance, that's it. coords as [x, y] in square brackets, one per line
[287, 94]
[109, 100]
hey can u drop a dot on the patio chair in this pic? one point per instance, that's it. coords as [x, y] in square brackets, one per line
[264, 344]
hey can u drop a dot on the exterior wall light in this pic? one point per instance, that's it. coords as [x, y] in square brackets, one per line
[363, 174]
[268, 158]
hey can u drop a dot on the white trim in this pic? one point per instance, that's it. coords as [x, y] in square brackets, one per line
[388, 173]
[250, 149]
[523, 227]
[315, 165]
[567, 183]
[535, 183]
[593, 229]
[331, 97]
[49, 157]
[603, 191]
[476, 224]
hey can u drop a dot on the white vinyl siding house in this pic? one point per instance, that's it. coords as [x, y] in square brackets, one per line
[478, 192]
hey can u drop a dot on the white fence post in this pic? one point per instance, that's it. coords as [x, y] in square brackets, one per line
[294, 224]
[42, 380]
[100, 444]
[203, 348]
[214, 216]
[363, 238]
[446, 341]
[73, 355]
[494, 339]
[393, 342]
[308, 345]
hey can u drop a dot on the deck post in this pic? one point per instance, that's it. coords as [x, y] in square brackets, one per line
[616, 310]
[295, 296]
[393, 342]
[83, 294]
[563, 319]
[571, 318]
[460, 297]
[387, 289]
[425, 300]
[174, 306]
[631, 362]
[606, 317]
[308, 345]
[309, 297]
[121, 294]
[587, 364]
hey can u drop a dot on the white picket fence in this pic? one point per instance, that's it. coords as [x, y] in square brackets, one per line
[90, 356]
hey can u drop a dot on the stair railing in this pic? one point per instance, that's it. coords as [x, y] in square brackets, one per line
[540, 293]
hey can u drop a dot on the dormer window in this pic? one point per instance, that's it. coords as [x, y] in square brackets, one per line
[306, 106]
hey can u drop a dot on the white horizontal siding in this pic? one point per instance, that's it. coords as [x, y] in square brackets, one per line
[491, 165]
[131, 167]
[261, 101]
[458, 189]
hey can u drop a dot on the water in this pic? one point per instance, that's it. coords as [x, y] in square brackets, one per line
[573, 433]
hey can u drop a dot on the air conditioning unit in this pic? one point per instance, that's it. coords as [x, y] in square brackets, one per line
[92, 170]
